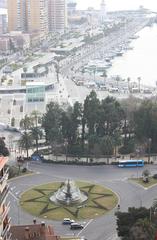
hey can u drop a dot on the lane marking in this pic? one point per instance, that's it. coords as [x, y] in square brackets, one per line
[13, 195]
[85, 227]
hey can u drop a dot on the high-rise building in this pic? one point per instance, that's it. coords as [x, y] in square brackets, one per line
[71, 7]
[3, 3]
[103, 14]
[17, 19]
[3, 21]
[57, 15]
[37, 15]
[28, 15]
[4, 207]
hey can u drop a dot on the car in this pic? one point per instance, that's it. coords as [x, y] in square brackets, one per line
[75, 226]
[67, 221]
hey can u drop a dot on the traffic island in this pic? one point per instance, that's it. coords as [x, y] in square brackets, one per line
[151, 182]
[36, 201]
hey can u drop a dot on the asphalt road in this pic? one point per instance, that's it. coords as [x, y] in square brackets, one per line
[102, 228]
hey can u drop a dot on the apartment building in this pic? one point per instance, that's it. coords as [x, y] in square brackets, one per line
[37, 16]
[57, 15]
[4, 207]
[17, 15]
[28, 15]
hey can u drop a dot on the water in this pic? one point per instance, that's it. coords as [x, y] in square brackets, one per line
[141, 61]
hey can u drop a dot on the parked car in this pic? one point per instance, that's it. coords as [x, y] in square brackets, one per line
[75, 226]
[67, 221]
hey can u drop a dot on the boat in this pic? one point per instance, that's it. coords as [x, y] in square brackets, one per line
[98, 65]
[134, 37]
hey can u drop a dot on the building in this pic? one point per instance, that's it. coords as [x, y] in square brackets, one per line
[3, 24]
[3, 21]
[102, 15]
[4, 44]
[28, 15]
[4, 206]
[17, 15]
[37, 12]
[33, 232]
[35, 92]
[71, 7]
[3, 4]
[57, 15]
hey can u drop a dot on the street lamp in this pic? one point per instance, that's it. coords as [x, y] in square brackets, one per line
[66, 150]
[149, 146]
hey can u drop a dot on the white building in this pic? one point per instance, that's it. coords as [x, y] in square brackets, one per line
[57, 15]
[103, 14]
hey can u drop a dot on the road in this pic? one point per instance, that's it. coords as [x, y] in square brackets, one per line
[102, 228]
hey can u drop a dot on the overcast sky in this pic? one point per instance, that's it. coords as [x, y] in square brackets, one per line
[118, 4]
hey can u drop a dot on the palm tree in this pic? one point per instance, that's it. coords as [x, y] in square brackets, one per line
[25, 71]
[104, 76]
[36, 134]
[117, 80]
[139, 84]
[26, 142]
[26, 139]
[26, 123]
[57, 68]
[128, 80]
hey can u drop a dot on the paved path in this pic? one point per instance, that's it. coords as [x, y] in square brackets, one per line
[103, 228]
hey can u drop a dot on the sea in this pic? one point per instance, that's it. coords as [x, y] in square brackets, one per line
[141, 61]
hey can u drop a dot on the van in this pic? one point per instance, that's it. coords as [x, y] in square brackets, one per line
[75, 226]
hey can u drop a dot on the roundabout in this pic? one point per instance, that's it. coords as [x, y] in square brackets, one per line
[37, 202]
[103, 226]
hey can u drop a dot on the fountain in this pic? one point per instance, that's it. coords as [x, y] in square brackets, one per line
[69, 194]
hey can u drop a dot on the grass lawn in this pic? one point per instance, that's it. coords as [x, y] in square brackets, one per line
[37, 202]
[151, 182]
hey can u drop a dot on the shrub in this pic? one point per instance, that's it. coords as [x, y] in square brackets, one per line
[128, 147]
[24, 170]
[155, 176]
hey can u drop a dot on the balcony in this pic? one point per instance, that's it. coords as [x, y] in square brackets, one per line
[5, 212]
[5, 231]
[3, 195]
[3, 180]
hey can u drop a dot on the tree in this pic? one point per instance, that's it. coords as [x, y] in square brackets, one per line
[25, 71]
[146, 124]
[26, 141]
[13, 122]
[110, 117]
[143, 229]
[71, 120]
[51, 122]
[128, 80]
[139, 84]
[57, 68]
[91, 115]
[104, 75]
[91, 110]
[36, 134]
[26, 123]
[3, 149]
[126, 220]
[107, 145]
[36, 131]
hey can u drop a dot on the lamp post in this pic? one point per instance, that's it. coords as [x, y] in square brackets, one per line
[66, 150]
[149, 146]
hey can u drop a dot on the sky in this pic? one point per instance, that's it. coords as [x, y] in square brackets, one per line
[118, 4]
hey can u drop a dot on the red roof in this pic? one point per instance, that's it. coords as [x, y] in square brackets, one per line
[33, 232]
[3, 161]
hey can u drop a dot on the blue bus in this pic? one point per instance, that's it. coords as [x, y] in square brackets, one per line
[131, 163]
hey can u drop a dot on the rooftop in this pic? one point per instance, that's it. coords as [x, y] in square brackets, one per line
[33, 232]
